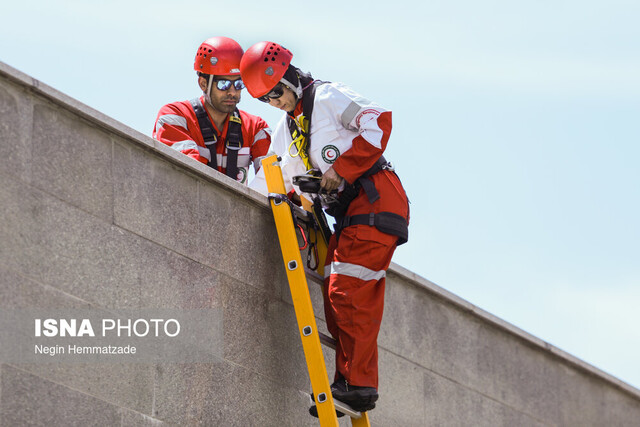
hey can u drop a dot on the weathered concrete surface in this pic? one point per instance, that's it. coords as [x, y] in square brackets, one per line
[96, 215]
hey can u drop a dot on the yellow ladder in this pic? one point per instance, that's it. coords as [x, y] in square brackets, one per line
[297, 278]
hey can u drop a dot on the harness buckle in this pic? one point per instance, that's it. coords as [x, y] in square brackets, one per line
[233, 142]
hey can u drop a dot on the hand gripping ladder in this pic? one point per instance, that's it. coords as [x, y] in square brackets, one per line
[297, 278]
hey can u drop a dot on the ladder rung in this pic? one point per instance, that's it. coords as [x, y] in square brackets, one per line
[327, 340]
[346, 409]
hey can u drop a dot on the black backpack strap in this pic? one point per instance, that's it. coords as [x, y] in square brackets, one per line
[207, 130]
[233, 143]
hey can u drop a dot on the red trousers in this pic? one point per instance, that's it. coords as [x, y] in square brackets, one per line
[355, 272]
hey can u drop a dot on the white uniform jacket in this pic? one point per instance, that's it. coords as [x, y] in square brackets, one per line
[348, 132]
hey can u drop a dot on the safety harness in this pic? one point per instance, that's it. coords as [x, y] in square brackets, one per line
[387, 222]
[233, 141]
[300, 127]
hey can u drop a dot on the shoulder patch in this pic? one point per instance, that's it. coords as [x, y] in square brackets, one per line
[330, 153]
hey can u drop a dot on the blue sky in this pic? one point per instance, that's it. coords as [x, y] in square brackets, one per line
[516, 131]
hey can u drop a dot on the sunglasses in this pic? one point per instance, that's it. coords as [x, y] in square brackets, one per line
[224, 84]
[275, 93]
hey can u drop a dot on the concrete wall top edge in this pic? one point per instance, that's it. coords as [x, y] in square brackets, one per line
[192, 166]
[141, 140]
[466, 306]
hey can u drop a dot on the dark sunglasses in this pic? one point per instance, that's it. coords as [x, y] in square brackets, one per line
[275, 93]
[224, 84]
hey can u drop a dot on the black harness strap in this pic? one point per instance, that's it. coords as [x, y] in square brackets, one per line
[369, 189]
[351, 191]
[321, 220]
[387, 222]
[207, 130]
[308, 96]
[234, 143]
[293, 127]
[233, 140]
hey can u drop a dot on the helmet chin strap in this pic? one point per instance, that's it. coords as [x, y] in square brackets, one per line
[293, 79]
[297, 89]
[207, 95]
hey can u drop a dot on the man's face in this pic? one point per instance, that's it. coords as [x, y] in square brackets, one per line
[224, 101]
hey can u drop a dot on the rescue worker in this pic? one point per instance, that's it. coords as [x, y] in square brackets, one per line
[211, 129]
[347, 137]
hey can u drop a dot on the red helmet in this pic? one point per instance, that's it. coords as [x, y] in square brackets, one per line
[219, 55]
[262, 67]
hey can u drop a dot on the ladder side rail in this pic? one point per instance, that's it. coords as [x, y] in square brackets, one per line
[300, 296]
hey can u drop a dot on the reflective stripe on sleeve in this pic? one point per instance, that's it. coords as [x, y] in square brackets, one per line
[204, 152]
[354, 270]
[191, 145]
[349, 114]
[257, 163]
[263, 134]
[171, 119]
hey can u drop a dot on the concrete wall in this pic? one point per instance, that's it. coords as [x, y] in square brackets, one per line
[97, 215]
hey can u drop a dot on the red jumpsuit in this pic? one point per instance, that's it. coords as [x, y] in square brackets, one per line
[177, 126]
[355, 272]
[349, 133]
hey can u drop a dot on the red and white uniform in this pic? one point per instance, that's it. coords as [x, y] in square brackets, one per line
[350, 133]
[177, 126]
